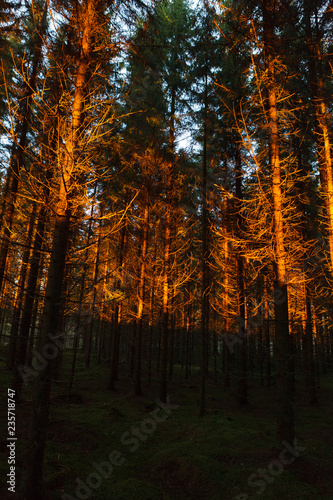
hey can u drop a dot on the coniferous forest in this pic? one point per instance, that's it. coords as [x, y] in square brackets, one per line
[166, 249]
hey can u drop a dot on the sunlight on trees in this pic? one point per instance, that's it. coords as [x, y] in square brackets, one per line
[141, 255]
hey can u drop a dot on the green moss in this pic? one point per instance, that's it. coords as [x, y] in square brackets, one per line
[136, 489]
[187, 457]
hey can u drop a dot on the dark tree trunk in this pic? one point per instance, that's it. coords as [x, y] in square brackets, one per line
[94, 285]
[142, 285]
[50, 340]
[50, 336]
[28, 304]
[13, 342]
[267, 340]
[115, 341]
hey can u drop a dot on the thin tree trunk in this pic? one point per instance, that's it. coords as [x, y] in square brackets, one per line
[165, 309]
[172, 336]
[242, 346]
[310, 378]
[76, 340]
[226, 319]
[151, 315]
[267, 340]
[204, 261]
[167, 247]
[94, 284]
[141, 297]
[117, 318]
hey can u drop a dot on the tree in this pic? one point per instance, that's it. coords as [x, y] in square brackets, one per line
[285, 430]
[71, 163]
[317, 61]
[35, 44]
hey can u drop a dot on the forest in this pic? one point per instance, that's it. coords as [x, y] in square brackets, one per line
[166, 249]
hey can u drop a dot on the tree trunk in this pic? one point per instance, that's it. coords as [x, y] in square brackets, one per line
[28, 305]
[151, 315]
[167, 247]
[53, 294]
[242, 346]
[141, 297]
[267, 340]
[94, 285]
[115, 341]
[324, 155]
[76, 339]
[13, 342]
[226, 319]
[309, 366]
[165, 309]
[285, 425]
[49, 337]
[204, 262]
[19, 148]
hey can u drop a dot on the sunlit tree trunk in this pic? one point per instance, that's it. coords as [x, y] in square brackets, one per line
[165, 302]
[50, 318]
[151, 313]
[307, 316]
[226, 313]
[167, 247]
[117, 317]
[204, 262]
[242, 346]
[324, 147]
[285, 429]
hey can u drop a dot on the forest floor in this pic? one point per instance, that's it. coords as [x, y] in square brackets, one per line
[111, 445]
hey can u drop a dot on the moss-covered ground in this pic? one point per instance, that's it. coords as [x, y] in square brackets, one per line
[112, 445]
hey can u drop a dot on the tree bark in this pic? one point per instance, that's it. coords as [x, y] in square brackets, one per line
[204, 262]
[321, 114]
[117, 318]
[28, 304]
[94, 285]
[35, 489]
[285, 425]
[242, 346]
[13, 341]
[141, 296]
[19, 147]
[167, 247]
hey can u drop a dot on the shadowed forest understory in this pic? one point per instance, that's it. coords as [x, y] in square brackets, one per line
[166, 249]
[230, 453]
